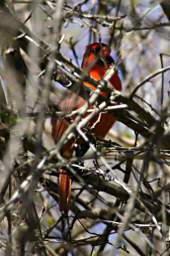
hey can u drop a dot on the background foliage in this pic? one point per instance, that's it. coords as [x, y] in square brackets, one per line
[120, 199]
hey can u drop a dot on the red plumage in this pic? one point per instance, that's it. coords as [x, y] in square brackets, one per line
[96, 62]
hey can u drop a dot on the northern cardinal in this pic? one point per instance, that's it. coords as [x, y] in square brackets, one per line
[96, 61]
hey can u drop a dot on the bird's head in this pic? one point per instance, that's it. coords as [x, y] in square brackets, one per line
[95, 51]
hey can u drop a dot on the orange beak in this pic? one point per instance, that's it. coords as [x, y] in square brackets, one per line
[105, 51]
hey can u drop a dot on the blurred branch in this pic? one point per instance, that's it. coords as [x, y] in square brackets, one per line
[166, 8]
[71, 72]
[116, 190]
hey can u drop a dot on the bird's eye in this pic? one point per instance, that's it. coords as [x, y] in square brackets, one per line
[97, 49]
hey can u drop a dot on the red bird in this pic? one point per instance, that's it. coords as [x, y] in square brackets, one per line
[96, 61]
